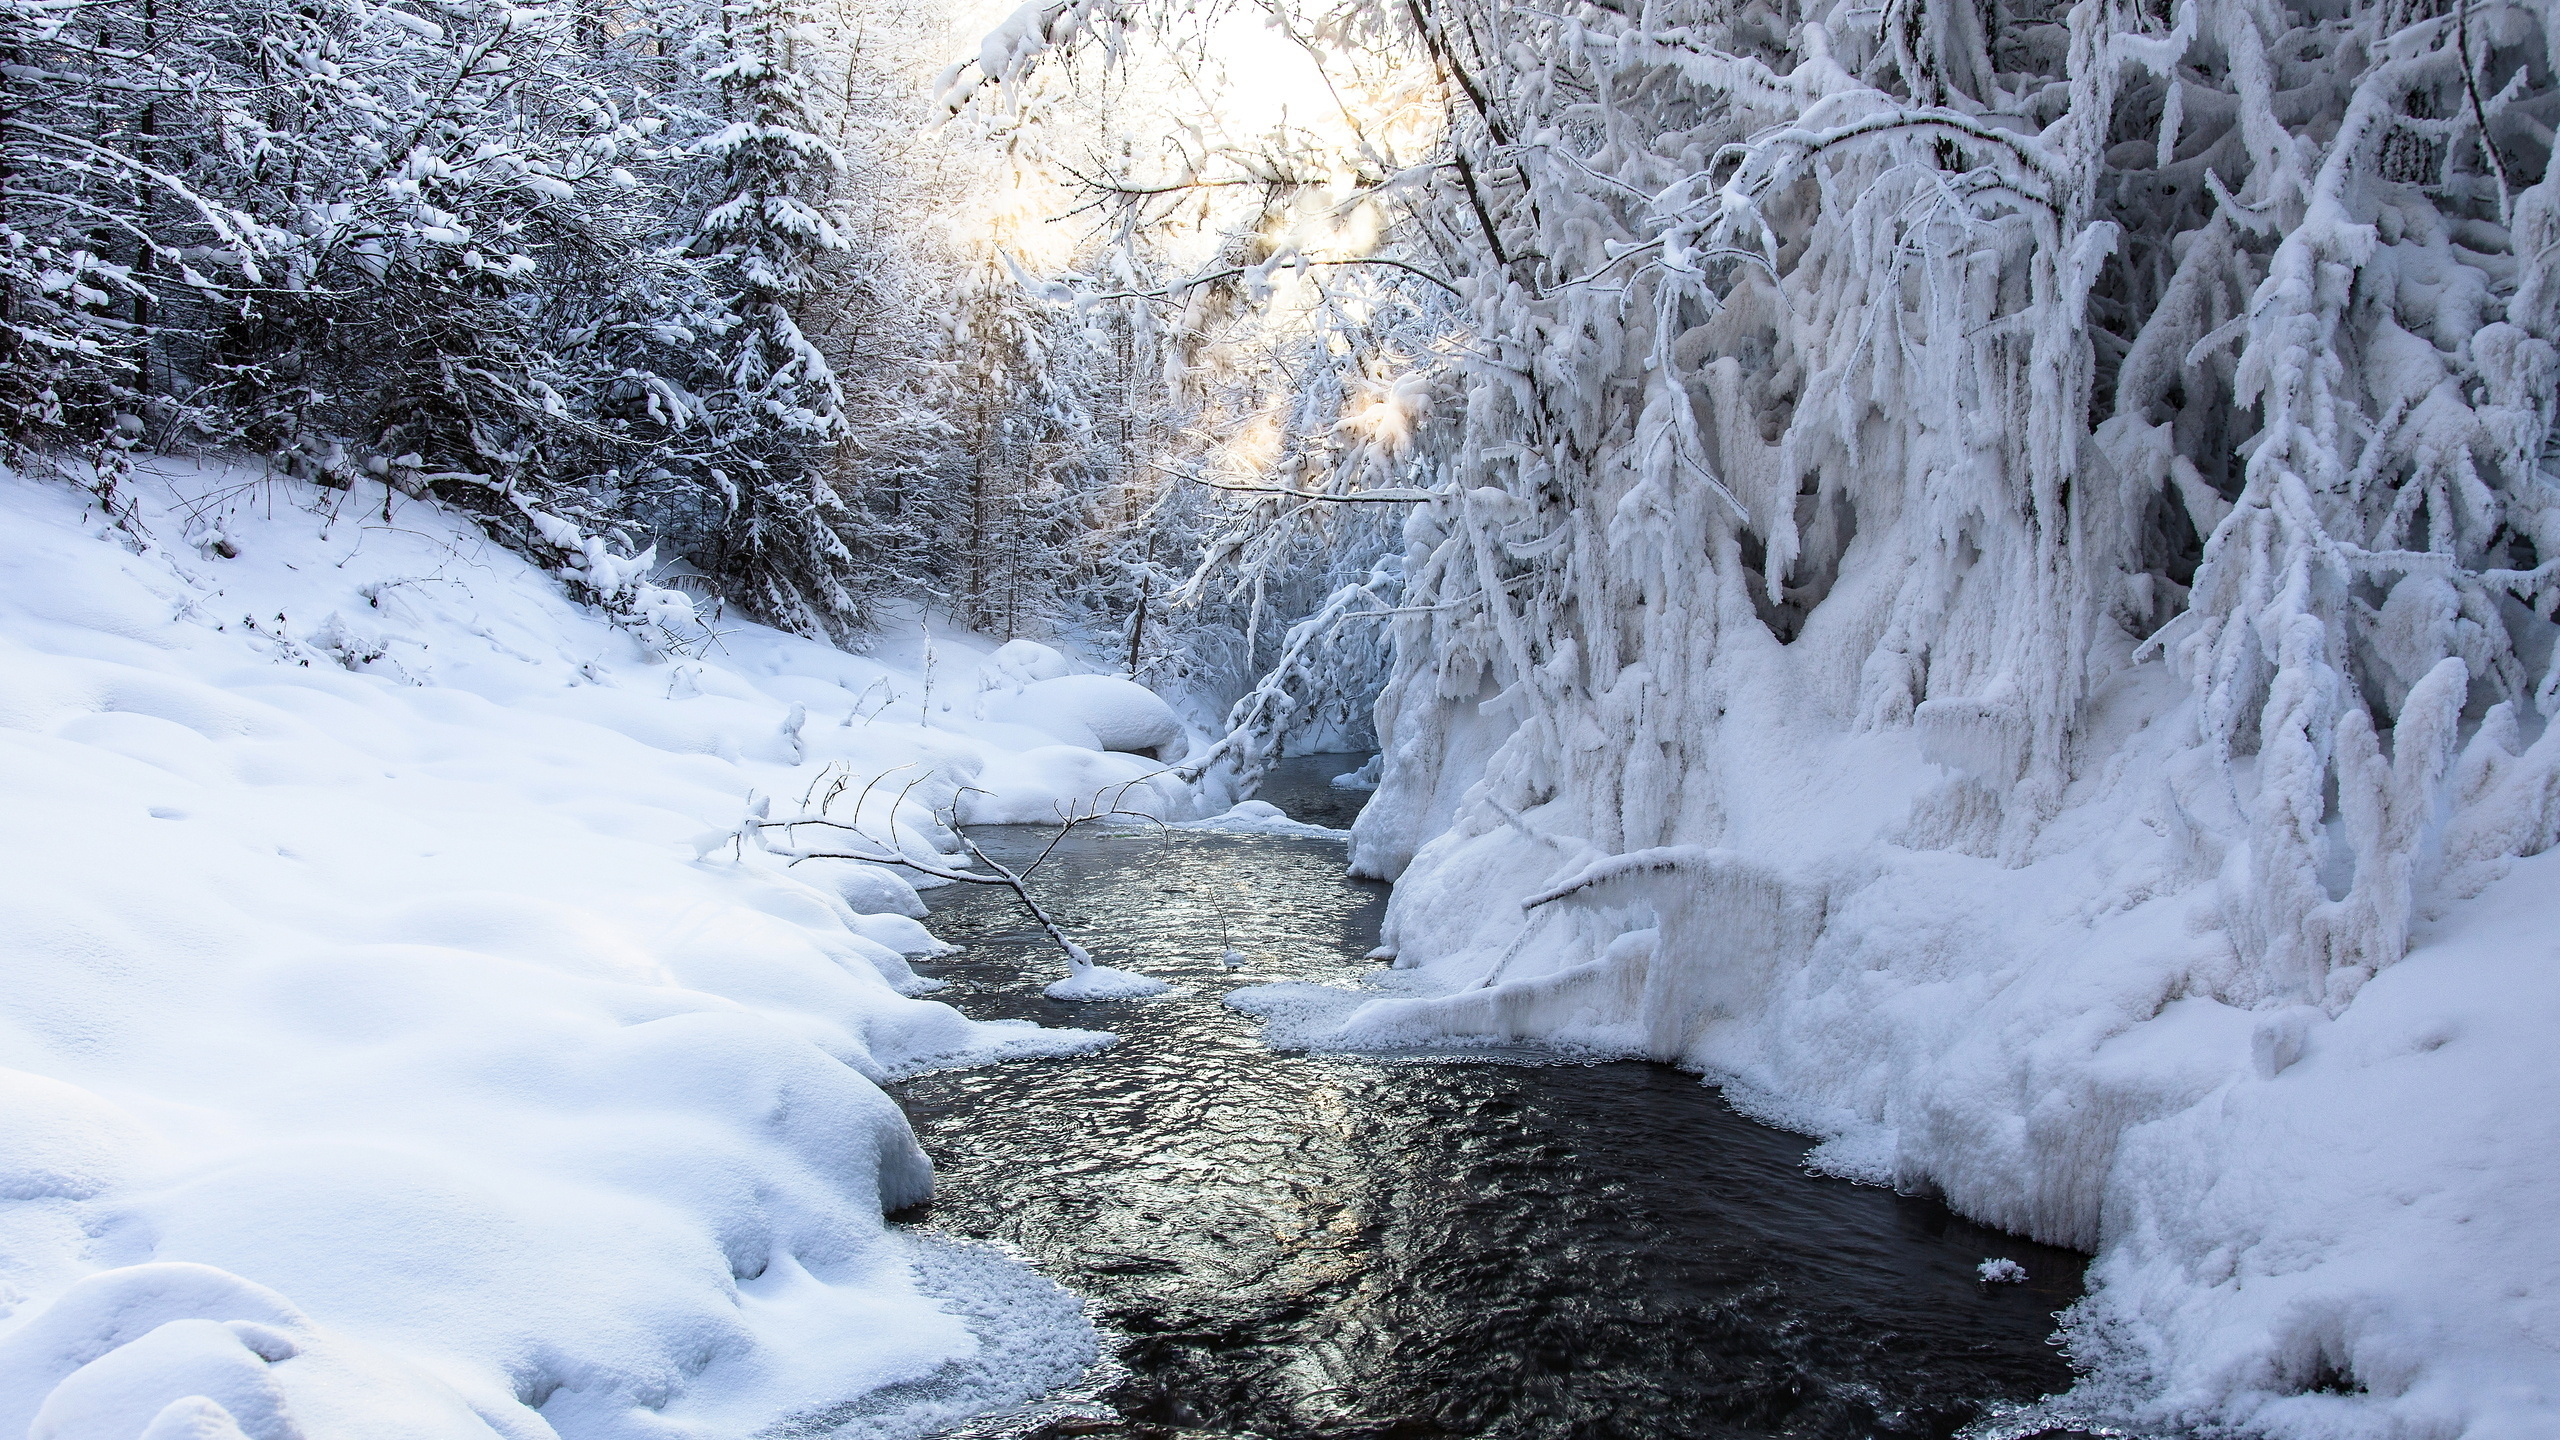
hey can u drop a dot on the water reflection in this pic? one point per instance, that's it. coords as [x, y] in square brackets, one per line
[1300, 1246]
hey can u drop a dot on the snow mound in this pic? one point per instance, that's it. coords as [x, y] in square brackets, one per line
[1057, 727]
[1998, 1271]
[1364, 778]
[1101, 982]
[1056, 782]
[898, 933]
[1017, 663]
[1258, 817]
[866, 889]
[381, 1054]
[1120, 714]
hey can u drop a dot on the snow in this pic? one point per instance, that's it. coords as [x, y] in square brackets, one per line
[1998, 1271]
[1259, 817]
[2376, 1207]
[1101, 982]
[1364, 778]
[385, 1050]
[1017, 663]
[900, 934]
[868, 889]
[1120, 714]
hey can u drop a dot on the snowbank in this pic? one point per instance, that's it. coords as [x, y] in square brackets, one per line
[1120, 714]
[2357, 1233]
[384, 1049]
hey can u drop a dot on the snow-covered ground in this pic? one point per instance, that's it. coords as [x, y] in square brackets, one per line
[391, 1041]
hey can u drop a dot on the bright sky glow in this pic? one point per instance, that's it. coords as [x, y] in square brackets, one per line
[1229, 103]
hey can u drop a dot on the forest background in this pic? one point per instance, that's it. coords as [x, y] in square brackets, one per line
[698, 300]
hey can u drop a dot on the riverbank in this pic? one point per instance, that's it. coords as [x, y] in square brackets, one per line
[401, 1036]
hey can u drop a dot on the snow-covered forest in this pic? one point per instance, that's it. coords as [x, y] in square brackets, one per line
[1982, 574]
[693, 280]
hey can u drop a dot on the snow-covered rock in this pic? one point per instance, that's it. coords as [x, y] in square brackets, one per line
[866, 889]
[1059, 782]
[1053, 725]
[901, 934]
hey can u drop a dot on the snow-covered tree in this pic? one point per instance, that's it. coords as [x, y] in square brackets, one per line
[609, 267]
[779, 408]
[340, 227]
[109, 115]
[1235, 252]
[1936, 358]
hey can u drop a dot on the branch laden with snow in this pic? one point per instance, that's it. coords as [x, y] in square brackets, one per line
[1951, 347]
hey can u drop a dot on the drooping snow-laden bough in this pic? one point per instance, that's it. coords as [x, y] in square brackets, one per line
[1964, 350]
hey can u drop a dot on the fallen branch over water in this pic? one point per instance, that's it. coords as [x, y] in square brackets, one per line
[1085, 978]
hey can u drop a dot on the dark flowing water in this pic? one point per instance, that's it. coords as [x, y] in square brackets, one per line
[1321, 1248]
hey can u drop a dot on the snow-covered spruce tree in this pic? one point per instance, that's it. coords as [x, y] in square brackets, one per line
[429, 242]
[1030, 448]
[337, 232]
[791, 239]
[430, 301]
[881, 304]
[776, 406]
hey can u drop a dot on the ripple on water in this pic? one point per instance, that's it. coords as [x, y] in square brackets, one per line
[1310, 1246]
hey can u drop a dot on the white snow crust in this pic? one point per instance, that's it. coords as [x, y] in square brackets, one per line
[1101, 982]
[1260, 817]
[397, 1042]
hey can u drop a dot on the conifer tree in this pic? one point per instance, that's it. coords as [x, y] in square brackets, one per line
[778, 407]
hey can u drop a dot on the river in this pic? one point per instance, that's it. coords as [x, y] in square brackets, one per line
[1307, 1247]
